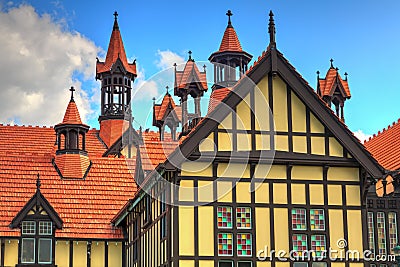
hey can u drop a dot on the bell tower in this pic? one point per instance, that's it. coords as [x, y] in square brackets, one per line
[117, 76]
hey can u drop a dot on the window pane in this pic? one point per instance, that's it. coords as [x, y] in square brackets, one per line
[300, 264]
[317, 219]
[28, 250]
[28, 228]
[45, 228]
[380, 221]
[225, 244]
[319, 264]
[244, 244]
[371, 238]
[392, 230]
[299, 244]
[243, 218]
[44, 250]
[318, 245]
[244, 264]
[163, 226]
[299, 219]
[224, 216]
[225, 264]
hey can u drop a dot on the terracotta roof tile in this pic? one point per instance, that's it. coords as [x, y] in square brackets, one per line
[216, 97]
[385, 146]
[190, 74]
[327, 85]
[230, 41]
[71, 115]
[72, 166]
[111, 130]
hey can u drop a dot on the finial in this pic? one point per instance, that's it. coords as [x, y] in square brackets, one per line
[345, 75]
[318, 74]
[175, 65]
[72, 89]
[331, 62]
[204, 67]
[190, 55]
[97, 59]
[336, 68]
[271, 29]
[229, 14]
[38, 183]
[116, 27]
[167, 87]
[154, 100]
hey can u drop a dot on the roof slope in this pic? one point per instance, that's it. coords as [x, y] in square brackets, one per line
[230, 41]
[332, 80]
[86, 206]
[385, 146]
[190, 74]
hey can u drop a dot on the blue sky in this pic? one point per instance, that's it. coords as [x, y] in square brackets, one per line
[361, 36]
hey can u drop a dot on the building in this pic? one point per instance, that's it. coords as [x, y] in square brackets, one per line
[270, 168]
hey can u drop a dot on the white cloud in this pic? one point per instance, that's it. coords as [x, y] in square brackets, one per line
[40, 61]
[362, 136]
[167, 59]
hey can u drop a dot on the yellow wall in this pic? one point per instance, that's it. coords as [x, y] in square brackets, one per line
[62, 253]
[243, 142]
[343, 174]
[306, 173]
[281, 229]
[207, 144]
[11, 252]
[225, 142]
[205, 191]
[354, 230]
[186, 263]
[353, 195]
[280, 193]
[262, 193]
[262, 229]
[280, 105]
[334, 194]
[206, 263]
[196, 169]
[316, 194]
[114, 254]
[186, 191]
[234, 170]
[298, 114]
[263, 142]
[336, 232]
[315, 125]
[186, 230]
[98, 253]
[206, 231]
[261, 105]
[317, 145]
[243, 194]
[226, 123]
[281, 143]
[298, 194]
[335, 149]
[299, 144]
[79, 255]
[243, 114]
[224, 191]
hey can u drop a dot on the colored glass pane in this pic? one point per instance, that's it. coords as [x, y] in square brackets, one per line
[225, 244]
[244, 244]
[392, 230]
[243, 218]
[371, 238]
[317, 219]
[299, 219]
[224, 217]
[299, 244]
[380, 225]
[318, 245]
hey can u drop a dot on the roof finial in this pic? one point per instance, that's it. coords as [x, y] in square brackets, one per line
[331, 63]
[154, 101]
[271, 29]
[204, 67]
[38, 183]
[229, 14]
[72, 89]
[318, 74]
[345, 75]
[167, 87]
[116, 27]
[190, 55]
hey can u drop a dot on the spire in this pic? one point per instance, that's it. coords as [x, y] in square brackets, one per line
[271, 29]
[38, 183]
[72, 89]
[331, 63]
[190, 56]
[230, 41]
[229, 14]
[71, 113]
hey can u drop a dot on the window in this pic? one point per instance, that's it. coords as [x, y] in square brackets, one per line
[244, 264]
[300, 264]
[224, 216]
[392, 230]
[225, 244]
[380, 204]
[225, 264]
[299, 244]
[244, 244]
[243, 218]
[380, 221]
[318, 245]
[370, 203]
[147, 212]
[392, 204]
[317, 219]
[299, 219]
[319, 264]
[163, 207]
[371, 238]
[36, 242]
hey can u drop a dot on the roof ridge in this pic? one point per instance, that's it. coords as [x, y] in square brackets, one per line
[385, 129]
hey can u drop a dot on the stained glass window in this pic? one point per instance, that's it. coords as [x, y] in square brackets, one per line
[371, 239]
[243, 218]
[224, 215]
[318, 245]
[317, 219]
[392, 230]
[225, 244]
[380, 223]
[299, 219]
[244, 244]
[299, 244]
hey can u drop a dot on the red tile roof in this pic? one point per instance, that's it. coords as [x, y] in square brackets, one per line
[72, 166]
[72, 114]
[230, 41]
[111, 130]
[161, 109]
[332, 78]
[190, 74]
[115, 50]
[86, 206]
[216, 97]
[385, 146]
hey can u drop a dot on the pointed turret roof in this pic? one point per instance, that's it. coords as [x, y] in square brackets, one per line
[327, 86]
[190, 74]
[72, 114]
[230, 40]
[115, 51]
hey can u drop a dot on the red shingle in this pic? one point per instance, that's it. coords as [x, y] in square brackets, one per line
[230, 41]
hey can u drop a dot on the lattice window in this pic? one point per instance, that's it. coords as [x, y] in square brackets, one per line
[371, 237]
[244, 244]
[299, 244]
[224, 216]
[317, 219]
[45, 228]
[392, 204]
[380, 204]
[380, 223]
[318, 245]
[243, 218]
[299, 219]
[370, 203]
[392, 230]
[28, 228]
[225, 244]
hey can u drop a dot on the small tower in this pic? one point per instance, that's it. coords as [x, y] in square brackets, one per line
[190, 82]
[117, 77]
[334, 90]
[71, 159]
[230, 61]
[167, 114]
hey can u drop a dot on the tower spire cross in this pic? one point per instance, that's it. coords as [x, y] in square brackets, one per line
[229, 14]
[115, 15]
[72, 89]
